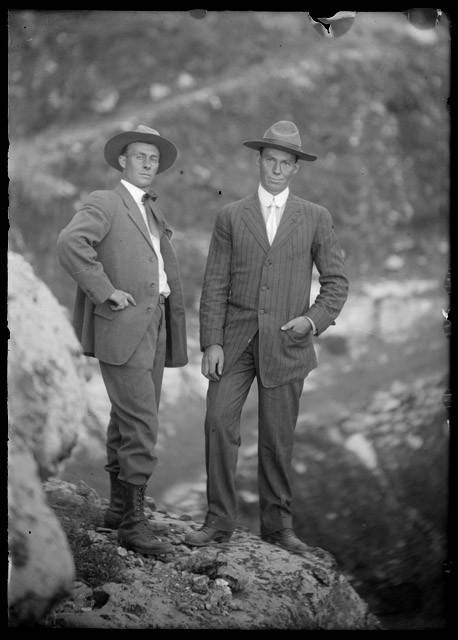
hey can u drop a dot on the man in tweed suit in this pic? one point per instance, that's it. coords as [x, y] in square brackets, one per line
[256, 321]
[129, 313]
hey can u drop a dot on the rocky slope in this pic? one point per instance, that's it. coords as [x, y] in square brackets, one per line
[243, 584]
[371, 104]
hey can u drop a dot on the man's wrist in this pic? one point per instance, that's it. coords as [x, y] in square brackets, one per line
[109, 297]
[312, 324]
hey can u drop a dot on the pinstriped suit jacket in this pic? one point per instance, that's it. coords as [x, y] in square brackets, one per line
[250, 285]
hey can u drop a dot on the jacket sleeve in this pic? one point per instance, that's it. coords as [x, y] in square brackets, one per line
[217, 283]
[77, 248]
[328, 258]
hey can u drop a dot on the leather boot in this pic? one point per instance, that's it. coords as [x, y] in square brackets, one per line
[135, 532]
[287, 539]
[113, 514]
[205, 535]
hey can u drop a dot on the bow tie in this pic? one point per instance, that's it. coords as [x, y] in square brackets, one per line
[147, 196]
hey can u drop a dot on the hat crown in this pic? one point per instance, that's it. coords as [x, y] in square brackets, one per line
[142, 128]
[283, 135]
[142, 133]
[284, 131]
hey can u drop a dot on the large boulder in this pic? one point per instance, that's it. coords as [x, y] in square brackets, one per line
[46, 406]
[46, 402]
[41, 565]
[243, 584]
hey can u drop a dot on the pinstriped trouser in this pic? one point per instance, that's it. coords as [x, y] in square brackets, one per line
[277, 415]
[134, 389]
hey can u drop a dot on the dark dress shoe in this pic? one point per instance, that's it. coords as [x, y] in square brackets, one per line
[287, 539]
[206, 535]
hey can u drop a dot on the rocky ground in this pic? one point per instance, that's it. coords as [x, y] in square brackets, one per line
[242, 584]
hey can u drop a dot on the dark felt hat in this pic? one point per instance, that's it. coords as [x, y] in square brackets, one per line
[282, 135]
[167, 150]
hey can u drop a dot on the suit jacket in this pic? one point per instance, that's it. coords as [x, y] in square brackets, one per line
[107, 246]
[250, 285]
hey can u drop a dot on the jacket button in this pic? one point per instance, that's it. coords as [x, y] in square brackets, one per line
[152, 284]
[149, 308]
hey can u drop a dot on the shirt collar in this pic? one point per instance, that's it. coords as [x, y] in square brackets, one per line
[136, 193]
[266, 198]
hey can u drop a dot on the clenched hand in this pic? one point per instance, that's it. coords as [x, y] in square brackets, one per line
[212, 362]
[299, 325]
[120, 300]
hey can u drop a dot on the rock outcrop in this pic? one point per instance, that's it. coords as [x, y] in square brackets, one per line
[46, 406]
[371, 487]
[46, 402]
[243, 584]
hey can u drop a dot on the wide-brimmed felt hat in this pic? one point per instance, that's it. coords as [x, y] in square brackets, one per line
[167, 150]
[282, 135]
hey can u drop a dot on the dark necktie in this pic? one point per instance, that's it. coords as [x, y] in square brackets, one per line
[147, 200]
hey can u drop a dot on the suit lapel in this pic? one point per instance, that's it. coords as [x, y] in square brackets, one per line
[158, 217]
[133, 212]
[255, 222]
[288, 222]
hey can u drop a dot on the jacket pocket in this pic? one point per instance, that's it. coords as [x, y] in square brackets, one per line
[302, 338]
[104, 311]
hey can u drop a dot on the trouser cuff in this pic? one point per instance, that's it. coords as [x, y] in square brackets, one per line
[224, 524]
[269, 527]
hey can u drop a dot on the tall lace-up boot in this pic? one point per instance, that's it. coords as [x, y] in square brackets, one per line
[135, 532]
[113, 515]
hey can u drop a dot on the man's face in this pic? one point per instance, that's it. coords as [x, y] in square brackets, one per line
[140, 164]
[276, 169]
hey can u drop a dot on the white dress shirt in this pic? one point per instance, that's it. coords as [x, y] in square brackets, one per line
[137, 194]
[266, 199]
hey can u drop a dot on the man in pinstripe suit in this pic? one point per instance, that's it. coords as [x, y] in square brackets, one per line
[256, 321]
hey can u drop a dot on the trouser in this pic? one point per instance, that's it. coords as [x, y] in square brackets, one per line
[278, 409]
[134, 390]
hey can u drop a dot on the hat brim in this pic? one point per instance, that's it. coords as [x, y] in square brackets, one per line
[260, 144]
[113, 148]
